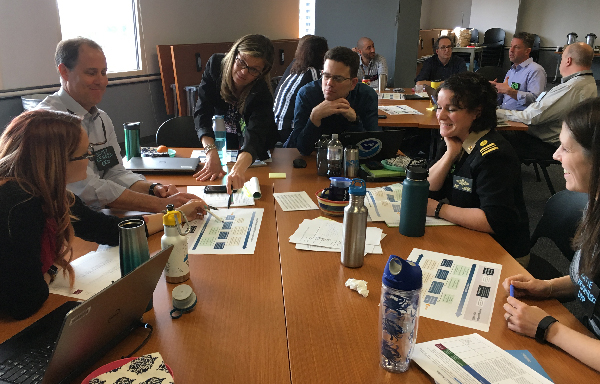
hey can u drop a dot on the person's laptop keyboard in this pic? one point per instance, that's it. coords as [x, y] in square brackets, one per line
[27, 368]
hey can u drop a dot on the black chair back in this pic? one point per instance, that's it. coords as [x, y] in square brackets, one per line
[535, 50]
[492, 73]
[178, 132]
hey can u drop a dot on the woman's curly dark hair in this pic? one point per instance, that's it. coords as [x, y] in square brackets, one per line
[310, 52]
[475, 94]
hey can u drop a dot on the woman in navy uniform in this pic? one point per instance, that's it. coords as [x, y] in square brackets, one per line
[476, 169]
[579, 154]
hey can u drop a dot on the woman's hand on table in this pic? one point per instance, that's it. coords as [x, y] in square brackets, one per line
[194, 209]
[165, 190]
[528, 286]
[212, 168]
[522, 318]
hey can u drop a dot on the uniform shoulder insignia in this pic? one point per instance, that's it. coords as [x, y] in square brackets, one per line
[487, 147]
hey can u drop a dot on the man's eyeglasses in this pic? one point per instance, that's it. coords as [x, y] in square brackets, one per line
[90, 155]
[336, 78]
[242, 64]
[444, 47]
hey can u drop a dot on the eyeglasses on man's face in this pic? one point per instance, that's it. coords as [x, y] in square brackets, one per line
[90, 155]
[242, 64]
[444, 47]
[336, 78]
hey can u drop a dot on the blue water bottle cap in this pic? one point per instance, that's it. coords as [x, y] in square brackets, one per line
[402, 274]
[358, 187]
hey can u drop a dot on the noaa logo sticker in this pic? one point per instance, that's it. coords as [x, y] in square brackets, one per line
[368, 148]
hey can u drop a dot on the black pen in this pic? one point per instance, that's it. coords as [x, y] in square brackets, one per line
[230, 200]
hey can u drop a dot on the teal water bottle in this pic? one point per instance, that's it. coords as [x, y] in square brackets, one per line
[413, 210]
[220, 137]
[132, 140]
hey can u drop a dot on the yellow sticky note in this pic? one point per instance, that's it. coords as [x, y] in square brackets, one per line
[276, 175]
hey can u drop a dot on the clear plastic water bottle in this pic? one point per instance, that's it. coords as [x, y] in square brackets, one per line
[355, 226]
[220, 137]
[413, 210]
[335, 156]
[399, 313]
[321, 147]
[177, 269]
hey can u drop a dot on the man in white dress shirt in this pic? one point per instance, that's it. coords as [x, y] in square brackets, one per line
[82, 67]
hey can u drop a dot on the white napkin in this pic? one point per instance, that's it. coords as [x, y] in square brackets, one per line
[147, 369]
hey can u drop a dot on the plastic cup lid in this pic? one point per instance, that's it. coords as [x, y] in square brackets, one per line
[402, 274]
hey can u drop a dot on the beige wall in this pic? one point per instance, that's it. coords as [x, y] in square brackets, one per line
[30, 30]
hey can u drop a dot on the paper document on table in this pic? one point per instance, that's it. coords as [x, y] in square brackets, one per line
[237, 234]
[231, 156]
[94, 272]
[219, 200]
[252, 188]
[399, 110]
[457, 290]
[295, 201]
[471, 359]
[390, 96]
[384, 204]
[326, 235]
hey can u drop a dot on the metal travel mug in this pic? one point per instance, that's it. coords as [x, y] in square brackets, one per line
[132, 140]
[351, 161]
[133, 246]
[382, 82]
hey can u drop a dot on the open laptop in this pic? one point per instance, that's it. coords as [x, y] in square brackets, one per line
[376, 146]
[162, 164]
[75, 335]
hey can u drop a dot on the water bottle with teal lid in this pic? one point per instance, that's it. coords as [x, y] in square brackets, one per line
[399, 313]
[220, 137]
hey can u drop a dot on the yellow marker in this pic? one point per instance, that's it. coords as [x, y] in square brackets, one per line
[277, 176]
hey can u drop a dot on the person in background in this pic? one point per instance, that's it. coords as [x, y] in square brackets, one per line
[525, 80]
[579, 154]
[372, 64]
[475, 168]
[40, 153]
[306, 67]
[442, 65]
[544, 116]
[237, 86]
[82, 67]
[336, 103]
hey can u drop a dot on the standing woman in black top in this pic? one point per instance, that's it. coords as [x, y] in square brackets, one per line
[40, 153]
[237, 86]
[306, 67]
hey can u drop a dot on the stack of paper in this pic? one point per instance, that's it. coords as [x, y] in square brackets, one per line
[384, 204]
[322, 234]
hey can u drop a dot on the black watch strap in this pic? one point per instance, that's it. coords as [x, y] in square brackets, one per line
[542, 328]
[151, 190]
[438, 209]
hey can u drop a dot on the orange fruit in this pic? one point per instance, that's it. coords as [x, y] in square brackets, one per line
[162, 149]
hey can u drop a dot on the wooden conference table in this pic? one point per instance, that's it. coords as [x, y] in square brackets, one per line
[427, 120]
[285, 316]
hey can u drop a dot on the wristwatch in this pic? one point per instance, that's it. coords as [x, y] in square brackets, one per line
[52, 272]
[208, 148]
[438, 209]
[542, 328]
[151, 190]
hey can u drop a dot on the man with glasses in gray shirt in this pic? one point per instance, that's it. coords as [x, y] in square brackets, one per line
[82, 67]
[334, 104]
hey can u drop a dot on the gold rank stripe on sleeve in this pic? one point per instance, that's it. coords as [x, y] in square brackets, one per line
[488, 148]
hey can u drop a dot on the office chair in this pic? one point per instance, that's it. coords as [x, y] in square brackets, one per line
[560, 220]
[535, 50]
[493, 47]
[474, 36]
[543, 164]
[492, 73]
[178, 132]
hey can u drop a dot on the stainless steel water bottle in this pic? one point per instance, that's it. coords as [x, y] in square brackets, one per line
[177, 269]
[351, 161]
[321, 147]
[133, 246]
[413, 208]
[399, 313]
[355, 226]
[132, 140]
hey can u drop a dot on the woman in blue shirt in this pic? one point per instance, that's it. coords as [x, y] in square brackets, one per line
[579, 154]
